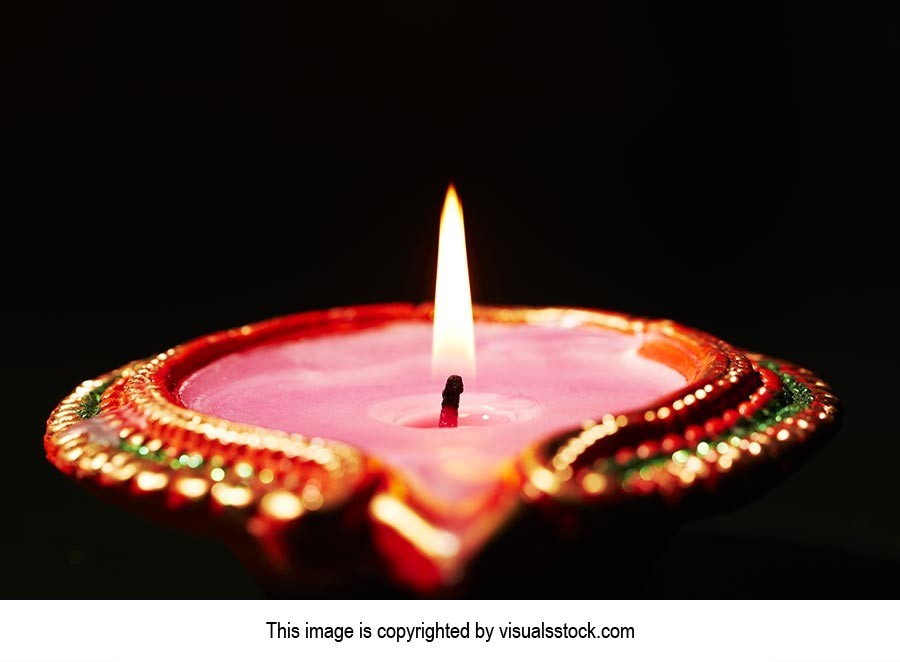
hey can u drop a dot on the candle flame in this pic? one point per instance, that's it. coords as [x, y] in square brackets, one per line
[453, 342]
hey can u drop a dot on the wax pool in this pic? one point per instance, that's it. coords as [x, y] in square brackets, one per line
[373, 389]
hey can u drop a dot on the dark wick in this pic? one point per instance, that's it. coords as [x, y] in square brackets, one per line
[450, 402]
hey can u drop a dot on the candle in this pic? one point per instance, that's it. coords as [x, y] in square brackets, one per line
[379, 388]
[373, 388]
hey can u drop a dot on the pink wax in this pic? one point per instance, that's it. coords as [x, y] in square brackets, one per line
[373, 390]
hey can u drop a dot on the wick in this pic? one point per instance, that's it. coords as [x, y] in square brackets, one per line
[450, 403]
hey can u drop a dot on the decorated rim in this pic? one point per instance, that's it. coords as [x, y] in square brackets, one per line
[127, 434]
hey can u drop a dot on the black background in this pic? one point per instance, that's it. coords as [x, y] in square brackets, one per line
[732, 166]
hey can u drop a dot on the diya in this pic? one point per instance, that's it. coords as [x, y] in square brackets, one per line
[372, 448]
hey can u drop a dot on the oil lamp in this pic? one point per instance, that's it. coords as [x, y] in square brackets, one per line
[413, 446]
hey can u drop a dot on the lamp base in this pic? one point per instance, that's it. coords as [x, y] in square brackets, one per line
[319, 517]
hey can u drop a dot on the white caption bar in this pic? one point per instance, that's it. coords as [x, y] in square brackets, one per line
[466, 630]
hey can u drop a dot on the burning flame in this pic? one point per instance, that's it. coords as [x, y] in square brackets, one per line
[453, 342]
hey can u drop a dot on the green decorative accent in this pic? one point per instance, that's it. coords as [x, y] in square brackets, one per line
[194, 461]
[143, 452]
[791, 400]
[90, 403]
[90, 407]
